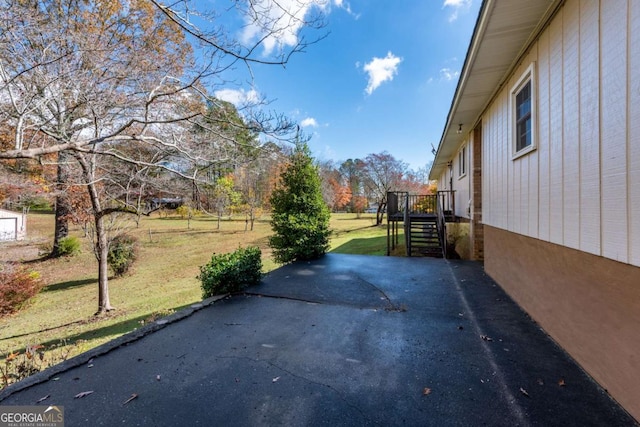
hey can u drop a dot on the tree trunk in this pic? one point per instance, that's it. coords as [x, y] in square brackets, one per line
[63, 209]
[101, 244]
[102, 251]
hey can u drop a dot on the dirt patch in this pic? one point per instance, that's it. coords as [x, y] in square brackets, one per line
[20, 251]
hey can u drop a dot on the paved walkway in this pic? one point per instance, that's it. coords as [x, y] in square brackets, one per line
[346, 340]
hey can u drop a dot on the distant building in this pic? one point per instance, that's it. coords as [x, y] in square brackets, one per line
[13, 225]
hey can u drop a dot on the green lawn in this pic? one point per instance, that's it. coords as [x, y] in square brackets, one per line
[162, 280]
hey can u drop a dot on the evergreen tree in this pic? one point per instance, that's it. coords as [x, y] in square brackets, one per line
[300, 217]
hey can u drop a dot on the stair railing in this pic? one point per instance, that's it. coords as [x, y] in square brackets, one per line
[407, 225]
[442, 228]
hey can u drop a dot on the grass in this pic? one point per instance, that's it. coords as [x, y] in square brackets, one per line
[162, 280]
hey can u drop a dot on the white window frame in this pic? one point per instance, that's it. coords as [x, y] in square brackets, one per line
[527, 77]
[462, 162]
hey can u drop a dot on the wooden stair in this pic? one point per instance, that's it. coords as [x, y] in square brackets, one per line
[423, 238]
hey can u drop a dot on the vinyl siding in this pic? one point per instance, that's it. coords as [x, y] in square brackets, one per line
[461, 184]
[575, 188]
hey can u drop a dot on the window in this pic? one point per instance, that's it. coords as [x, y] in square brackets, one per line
[462, 162]
[523, 117]
[523, 109]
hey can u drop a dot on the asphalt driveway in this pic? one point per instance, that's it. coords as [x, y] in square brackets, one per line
[345, 340]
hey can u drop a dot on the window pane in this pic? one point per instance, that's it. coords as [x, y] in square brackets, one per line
[523, 134]
[523, 117]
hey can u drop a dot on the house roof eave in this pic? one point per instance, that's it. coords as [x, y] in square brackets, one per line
[504, 31]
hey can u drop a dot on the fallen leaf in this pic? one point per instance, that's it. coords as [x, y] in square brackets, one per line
[561, 383]
[133, 396]
[83, 394]
[43, 398]
[486, 338]
[275, 379]
[523, 391]
[426, 391]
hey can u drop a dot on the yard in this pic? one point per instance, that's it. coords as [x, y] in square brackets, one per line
[163, 279]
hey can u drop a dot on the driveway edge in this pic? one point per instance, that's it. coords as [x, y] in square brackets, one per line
[125, 339]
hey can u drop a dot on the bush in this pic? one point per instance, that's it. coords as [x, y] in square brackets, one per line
[20, 365]
[17, 286]
[231, 272]
[122, 253]
[187, 212]
[68, 246]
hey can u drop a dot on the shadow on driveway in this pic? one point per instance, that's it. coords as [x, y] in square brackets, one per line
[345, 340]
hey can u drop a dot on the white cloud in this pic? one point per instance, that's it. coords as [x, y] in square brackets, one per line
[238, 97]
[284, 18]
[448, 74]
[309, 122]
[381, 70]
[346, 6]
[457, 6]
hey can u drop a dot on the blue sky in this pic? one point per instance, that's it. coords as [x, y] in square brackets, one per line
[382, 79]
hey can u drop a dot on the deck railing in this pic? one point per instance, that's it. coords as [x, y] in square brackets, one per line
[400, 203]
[447, 202]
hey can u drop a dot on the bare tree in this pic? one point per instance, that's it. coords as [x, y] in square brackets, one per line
[112, 84]
[382, 173]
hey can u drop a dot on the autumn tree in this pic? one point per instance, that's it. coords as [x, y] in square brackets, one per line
[335, 189]
[359, 205]
[326, 172]
[224, 196]
[341, 194]
[103, 85]
[352, 174]
[23, 182]
[256, 180]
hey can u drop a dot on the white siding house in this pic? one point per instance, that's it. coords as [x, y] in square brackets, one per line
[549, 102]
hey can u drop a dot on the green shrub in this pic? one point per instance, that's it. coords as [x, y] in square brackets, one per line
[231, 272]
[299, 217]
[122, 253]
[69, 246]
[17, 286]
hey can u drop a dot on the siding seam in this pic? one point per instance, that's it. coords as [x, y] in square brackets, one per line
[600, 174]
